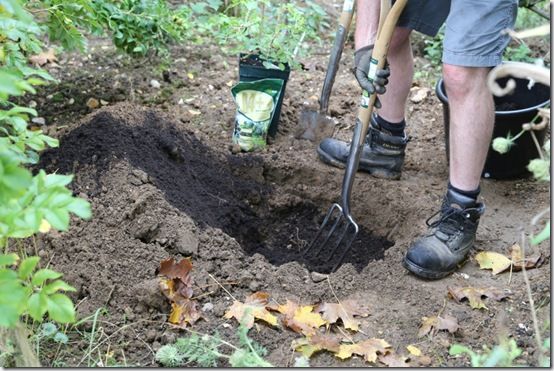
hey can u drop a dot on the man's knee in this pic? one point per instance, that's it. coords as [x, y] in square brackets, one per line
[400, 39]
[460, 80]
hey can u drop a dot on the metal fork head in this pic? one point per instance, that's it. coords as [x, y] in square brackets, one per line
[337, 232]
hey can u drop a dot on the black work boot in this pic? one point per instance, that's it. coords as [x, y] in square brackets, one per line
[382, 155]
[449, 239]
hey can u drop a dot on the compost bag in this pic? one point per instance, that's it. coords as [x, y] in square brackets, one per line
[256, 102]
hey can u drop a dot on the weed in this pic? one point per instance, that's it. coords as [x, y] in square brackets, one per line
[204, 350]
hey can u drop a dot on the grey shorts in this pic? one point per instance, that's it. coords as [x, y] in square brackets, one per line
[473, 35]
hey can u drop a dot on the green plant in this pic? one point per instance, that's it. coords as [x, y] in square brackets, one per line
[502, 355]
[204, 350]
[278, 31]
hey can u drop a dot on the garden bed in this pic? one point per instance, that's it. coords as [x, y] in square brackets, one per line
[164, 181]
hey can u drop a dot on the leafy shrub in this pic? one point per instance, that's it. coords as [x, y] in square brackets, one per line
[278, 31]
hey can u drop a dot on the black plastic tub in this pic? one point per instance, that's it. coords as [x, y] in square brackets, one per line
[513, 110]
[252, 69]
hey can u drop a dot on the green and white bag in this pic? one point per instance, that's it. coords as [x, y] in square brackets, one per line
[256, 102]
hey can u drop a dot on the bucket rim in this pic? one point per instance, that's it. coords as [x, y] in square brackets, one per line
[439, 90]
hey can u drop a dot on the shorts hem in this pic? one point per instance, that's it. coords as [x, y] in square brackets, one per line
[471, 60]
[419, 26]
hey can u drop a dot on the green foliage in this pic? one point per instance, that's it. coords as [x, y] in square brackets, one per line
[520, 53]
[138, 26]
[278, 31]
[23, 292]
[204, 350]
[433, 48]
[502, 355]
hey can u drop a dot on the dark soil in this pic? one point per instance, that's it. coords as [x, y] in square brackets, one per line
[164, 181]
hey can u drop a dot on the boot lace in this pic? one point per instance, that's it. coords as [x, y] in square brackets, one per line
[450, 222]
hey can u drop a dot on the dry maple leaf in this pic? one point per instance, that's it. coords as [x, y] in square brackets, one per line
[369, 349]
[180, 270]
[493, 260]
[518, 261]
[345, 310]
[184, 312]
[434, 324]
[299, 318]
[176, 285]
[41, 59]
[394, 360]
[312, 344]
[252, 308]
[474, 295]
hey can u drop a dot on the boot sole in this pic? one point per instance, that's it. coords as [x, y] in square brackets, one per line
[425, 273]
[373, 171]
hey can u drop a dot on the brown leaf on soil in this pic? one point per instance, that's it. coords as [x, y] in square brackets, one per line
[181, 270]
[41, 59]
[176, 284]
[369, 349]
[252, 308]
[312, 344]
[530, 261]
[299, 318]
[394, 360]
[345, 310]
[435, 324]
[474, 295]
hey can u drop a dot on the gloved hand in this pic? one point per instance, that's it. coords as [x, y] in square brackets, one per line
[362, 59]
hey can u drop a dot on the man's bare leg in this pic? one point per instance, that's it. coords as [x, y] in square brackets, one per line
[471, 123]
[401, 63]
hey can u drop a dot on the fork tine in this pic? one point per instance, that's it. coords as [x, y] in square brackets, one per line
[348, 246]
[338, 243]
[322, 227]
[331, 231]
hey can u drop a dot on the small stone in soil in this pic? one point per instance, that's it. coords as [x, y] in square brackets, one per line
[208, 307]
[32, 104]
[155, 84]
[235, 148]
[254, 286]
[318, 277]
[38, 120]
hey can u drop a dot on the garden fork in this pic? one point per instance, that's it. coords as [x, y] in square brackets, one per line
[339, 217]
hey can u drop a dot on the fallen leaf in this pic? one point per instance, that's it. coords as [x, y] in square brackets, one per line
[434, 324]
[345, 311]
[518, 262]
[180, 270]
[474, 295]
[394, 360]
[312, 344]
[415, 351]
[299, 318]
[493, 260]
[184, 312]
[43, 58]
[93, 103]
[252, 308]
[176, 284]
[369, 349]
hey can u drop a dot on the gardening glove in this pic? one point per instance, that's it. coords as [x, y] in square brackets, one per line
[362, 59]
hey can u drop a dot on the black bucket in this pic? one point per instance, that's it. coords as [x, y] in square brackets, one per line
[251, 69]
[513, 110]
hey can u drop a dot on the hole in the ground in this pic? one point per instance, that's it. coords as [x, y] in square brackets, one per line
[286, 234]
[210, 187]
